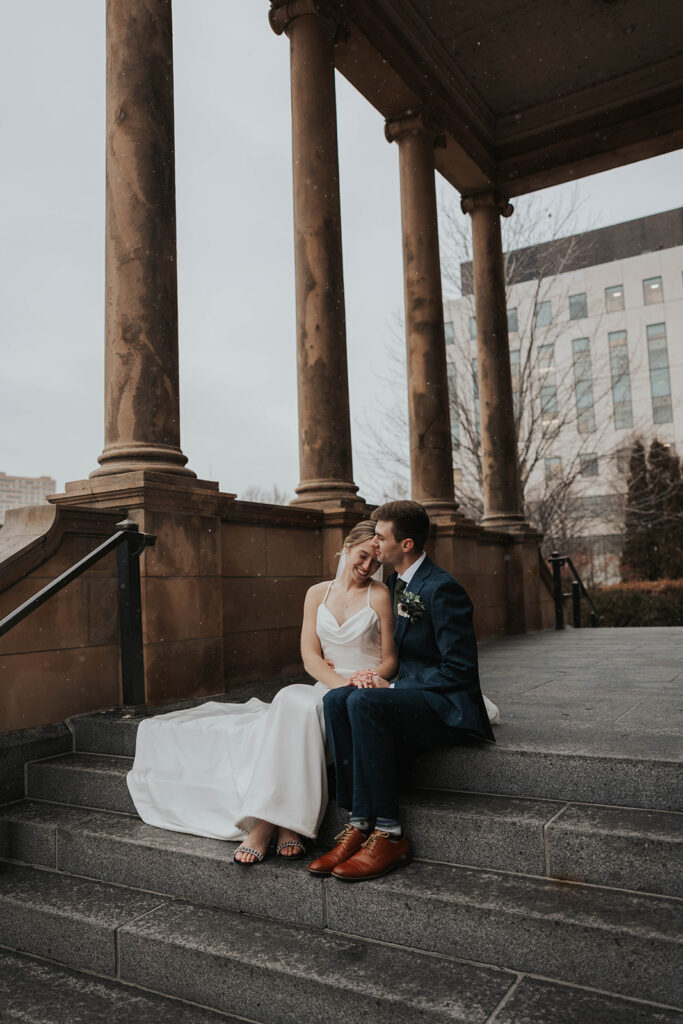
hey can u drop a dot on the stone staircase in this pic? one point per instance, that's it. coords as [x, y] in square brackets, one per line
[544, 889]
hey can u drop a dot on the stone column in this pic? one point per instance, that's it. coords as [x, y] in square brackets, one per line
[500, 471]
[142, 415]
[324, 421]
[431, 450]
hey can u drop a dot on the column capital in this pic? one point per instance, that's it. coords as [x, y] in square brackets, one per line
[282, 14]
[497, 200]
[414, 122]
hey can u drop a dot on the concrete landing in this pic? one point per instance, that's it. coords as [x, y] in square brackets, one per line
[588, 691]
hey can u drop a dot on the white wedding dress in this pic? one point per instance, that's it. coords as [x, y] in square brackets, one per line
[212, 770]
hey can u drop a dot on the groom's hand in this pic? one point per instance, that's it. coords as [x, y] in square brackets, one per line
[362, 678]
[367, 679]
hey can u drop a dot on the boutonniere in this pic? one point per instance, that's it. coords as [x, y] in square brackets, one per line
[411, 606]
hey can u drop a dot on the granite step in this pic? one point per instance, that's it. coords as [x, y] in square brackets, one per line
[623, 847]
[596, 938]
[607, 939]
[37, 992]
[121, 849]
[563, 766]
[260, 969]
[71, 920]
[84, 780]
[538, 762]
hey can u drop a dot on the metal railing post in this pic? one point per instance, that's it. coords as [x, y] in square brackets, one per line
[557, 564]
[130, 614]
[576, 603]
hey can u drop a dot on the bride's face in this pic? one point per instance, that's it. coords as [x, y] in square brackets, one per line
[362, 561]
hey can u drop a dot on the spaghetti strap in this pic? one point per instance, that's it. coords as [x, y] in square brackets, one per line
[369, 589]
[329, 587]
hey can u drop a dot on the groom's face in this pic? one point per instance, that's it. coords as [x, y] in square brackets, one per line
[387, 547]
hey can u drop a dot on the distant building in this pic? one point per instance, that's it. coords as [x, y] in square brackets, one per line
[16, 491]
[596, 347]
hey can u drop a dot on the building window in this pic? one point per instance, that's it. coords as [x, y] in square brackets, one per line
[578, 306]
[449, 332]
[473, 328]
[652, 291]
[621, 380]
[588, 464]
[553, 467]
[453, 395]
[475, 389]
[516, 379]
[614, 298]
[543, 314]
[548, 379]
[660, 380]
[513, 326]
[583, 386]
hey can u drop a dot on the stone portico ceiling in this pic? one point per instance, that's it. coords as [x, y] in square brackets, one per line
[530, 93]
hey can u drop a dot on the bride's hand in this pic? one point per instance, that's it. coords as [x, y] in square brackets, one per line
[362, 678]
[378, 682]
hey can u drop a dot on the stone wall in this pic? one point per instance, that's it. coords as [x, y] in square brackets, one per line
[64, 658]
[270, 557]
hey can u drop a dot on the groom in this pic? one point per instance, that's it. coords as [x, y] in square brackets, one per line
[435, 701]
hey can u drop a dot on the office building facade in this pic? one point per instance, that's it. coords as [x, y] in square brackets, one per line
[596, 357]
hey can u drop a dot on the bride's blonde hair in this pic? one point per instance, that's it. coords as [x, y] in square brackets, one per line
[365, 530]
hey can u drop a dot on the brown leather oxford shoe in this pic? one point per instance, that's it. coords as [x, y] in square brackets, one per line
[349, 841]
[378, 854]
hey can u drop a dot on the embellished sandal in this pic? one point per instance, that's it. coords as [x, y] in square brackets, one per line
[292, 856]
[258, 857]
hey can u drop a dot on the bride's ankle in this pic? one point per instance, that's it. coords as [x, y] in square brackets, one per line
[265, 829]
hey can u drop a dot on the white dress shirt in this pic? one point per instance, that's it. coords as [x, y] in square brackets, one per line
[408, 573]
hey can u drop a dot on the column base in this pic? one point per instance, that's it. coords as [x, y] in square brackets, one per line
[127, 458]
[507, 522]
[329, 494]
[440, 508]
[133, 489]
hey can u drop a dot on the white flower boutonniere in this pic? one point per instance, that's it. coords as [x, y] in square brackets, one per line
[411, 606]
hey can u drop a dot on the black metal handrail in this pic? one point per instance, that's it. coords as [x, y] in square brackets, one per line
[577, 592]
[129, 544]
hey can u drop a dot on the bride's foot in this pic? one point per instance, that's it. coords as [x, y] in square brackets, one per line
[290, 844]
[254, 847]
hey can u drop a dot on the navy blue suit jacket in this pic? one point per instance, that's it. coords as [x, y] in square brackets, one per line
[438, 653]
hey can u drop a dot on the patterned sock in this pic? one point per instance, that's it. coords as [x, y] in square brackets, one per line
[389, 825]
[363, 825]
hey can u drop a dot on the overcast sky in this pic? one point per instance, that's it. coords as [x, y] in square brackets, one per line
[235, 259]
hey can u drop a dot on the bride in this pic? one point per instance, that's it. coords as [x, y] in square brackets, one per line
[241, 771]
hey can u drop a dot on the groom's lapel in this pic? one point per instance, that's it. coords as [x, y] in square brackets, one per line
[414, 587]
[420, 577]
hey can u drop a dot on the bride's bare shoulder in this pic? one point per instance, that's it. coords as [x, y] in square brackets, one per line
[317, 591]
[379, 595]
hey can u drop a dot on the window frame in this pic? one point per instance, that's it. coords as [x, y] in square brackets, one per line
[584, 307]
[655, 295]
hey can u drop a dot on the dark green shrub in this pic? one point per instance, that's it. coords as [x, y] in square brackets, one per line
[640, 603]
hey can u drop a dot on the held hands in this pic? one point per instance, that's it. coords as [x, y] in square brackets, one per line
[366, 679]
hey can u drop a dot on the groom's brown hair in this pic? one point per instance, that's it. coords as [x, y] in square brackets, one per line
[407, 518]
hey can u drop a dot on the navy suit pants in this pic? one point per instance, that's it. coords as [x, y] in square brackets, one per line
[371, 734]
